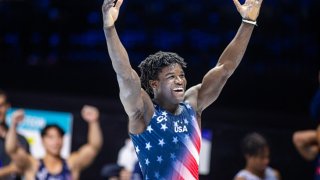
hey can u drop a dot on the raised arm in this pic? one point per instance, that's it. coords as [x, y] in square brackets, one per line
[86, 154]
[18, 155]
[213, 82]
[128, 79]
[132, 96]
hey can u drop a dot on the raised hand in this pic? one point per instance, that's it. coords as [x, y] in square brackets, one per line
[110, 12]
[90, 113]
[249, 10]
[17, 116]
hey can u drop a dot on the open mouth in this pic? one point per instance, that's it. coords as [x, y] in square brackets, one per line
[178, 90]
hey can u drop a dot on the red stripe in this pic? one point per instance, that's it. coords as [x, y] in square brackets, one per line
[176, 176]
[191, 164]
[196, 140]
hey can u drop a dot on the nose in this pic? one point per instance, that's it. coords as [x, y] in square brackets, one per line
[178, 80]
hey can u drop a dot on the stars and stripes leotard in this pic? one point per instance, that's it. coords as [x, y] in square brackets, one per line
[169, 148]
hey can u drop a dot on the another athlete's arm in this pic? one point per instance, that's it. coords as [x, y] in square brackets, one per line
[18, 155]
[87, 153]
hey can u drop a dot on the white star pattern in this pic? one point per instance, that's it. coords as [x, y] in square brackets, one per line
[172, 156]
[157, 130]
[137, 149]
[148, 146]
[149, 128]
[147, 162]
[157, 175]
[175, 140]
[164, 113]
[161, 142]
[164, 127]
[193, 118]
[159, 159]
[187, 137]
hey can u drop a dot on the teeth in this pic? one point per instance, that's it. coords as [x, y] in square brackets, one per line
[178, 89]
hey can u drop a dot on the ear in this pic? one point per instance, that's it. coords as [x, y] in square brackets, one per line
[154, 84]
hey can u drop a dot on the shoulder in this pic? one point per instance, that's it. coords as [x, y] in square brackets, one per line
[241, 175]
[191, 95]
[277, 174]
[273, 173]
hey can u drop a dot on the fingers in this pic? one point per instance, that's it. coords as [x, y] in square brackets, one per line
[237, 4]
[259, 2]
[118, 3]
[18, 116]
[90, 113]
[107, 4]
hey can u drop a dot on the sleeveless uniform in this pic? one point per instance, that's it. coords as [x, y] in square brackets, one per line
[169, 148]
[43, 173]
[269, 175]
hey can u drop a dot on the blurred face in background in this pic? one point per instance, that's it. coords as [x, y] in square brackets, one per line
[52, 141]
[260, 161]
[4, 106]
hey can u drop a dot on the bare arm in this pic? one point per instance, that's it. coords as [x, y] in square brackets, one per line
[306, 144]
[128, 79]
[18, 155]
[132, 96]
[8, 170]
[86, 154]
[229, 60]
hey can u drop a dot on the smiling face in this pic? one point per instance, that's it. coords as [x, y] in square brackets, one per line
[171, 84]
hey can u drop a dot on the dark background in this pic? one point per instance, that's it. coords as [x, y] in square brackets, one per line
[53, 56]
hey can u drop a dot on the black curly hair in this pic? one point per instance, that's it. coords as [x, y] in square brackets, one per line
[153, 64]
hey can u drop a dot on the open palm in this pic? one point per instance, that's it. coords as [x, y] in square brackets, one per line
[250, 9]
[110, 12]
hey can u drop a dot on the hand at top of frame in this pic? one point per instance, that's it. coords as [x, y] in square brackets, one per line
[249, 10]
[110, 12]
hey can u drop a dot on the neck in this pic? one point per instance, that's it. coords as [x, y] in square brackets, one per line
[51, 158]
[172, 108]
